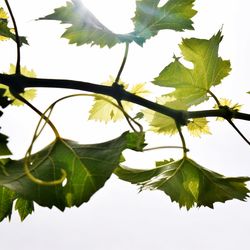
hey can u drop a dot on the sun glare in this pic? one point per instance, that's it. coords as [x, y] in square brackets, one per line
[115, 15]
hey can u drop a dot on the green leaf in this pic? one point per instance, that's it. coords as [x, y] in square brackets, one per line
[160, 123]
[188, 183]
[87, 167]
[24, 207]
[7, 198]
[4, 150]
[85, 27]
[192, 84]
[150, 19]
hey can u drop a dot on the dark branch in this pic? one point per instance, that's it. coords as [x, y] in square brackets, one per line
[180, 116]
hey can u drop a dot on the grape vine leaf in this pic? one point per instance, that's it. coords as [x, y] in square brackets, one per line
[7, 199]
[85, 27]
[4, 150]
[160, 123]
[193, 84]
[187, 183]
[150, 18]
[104, 108]
[87, 167]
[29, 94]
[24, 207]
[6, 32]
[198, 127]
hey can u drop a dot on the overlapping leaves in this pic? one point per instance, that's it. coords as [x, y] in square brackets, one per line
[87, 167]
[149, 19]
[7, 199]
[193, 84]
[187, 183]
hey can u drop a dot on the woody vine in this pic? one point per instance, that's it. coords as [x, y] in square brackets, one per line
[65, 173]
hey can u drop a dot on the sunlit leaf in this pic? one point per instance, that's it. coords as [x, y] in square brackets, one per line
[224, 102]
[85, 27]
[160, 123]
[87, 167]
[29, 94]
[198, 127]
[102, 108]
[150, 18]
[192, 84]
[188, 183]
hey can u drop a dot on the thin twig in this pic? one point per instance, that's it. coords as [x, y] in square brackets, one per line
[238, 131]
[18, 43]
[22, 99]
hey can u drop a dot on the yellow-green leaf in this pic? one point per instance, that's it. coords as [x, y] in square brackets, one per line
[192, 84]
[198, 126]
[105, 108]
[160, 123]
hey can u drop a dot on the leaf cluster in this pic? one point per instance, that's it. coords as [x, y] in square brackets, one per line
[65, 173]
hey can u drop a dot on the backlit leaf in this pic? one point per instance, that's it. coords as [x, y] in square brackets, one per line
[226, 103]
[188, 183]
[198, 126]
[103, 110]
[150, 18]
[160, 123]
[87, 167]
[85, 27]
[192, 84]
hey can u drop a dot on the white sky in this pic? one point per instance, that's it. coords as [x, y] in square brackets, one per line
[117, 217]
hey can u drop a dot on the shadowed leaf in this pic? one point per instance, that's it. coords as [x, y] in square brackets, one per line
[188, 183]
[87, 167]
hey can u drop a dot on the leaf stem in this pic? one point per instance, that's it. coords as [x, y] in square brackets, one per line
[123, 64]
[185, 150]
[18, 44]
[163, 147]
[214, 97]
